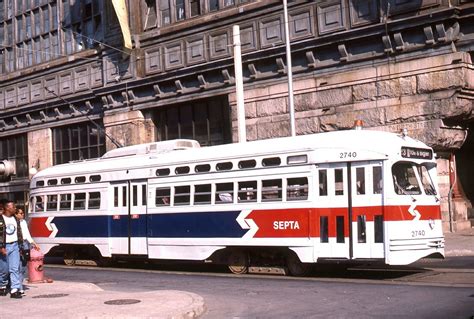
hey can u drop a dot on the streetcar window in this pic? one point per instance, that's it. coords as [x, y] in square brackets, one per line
[80, 179]
[66, 180]
[79, 201]
[271, 190]
[182, 170]
[361, 232]
[377, 179]
[52, 182]
[134, 195]
[271, 161]
[297, 188]
[426, 180]
[65, 201]
[94, 178]
[162, 172]
[247, 192]
[360, 180]
[202, 168]
[162, 196]
[297, 159]
[224, 193]
[404, 179]
[124, 196]
[143, 195]
[340, 229]
[182, 195]
[202, 194]
[39, 183]
[323, 182]
[224, 166]
[94, 200]
[247, 164]
[52, 203]
[39, 206]
[378, 228]
[339, 181]
[323, 229]
[116, 196]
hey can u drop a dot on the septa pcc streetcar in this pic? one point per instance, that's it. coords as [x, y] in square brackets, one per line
[289, 202]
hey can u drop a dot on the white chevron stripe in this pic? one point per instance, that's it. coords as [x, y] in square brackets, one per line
[247, 223]
[416, 214]
[51, 227]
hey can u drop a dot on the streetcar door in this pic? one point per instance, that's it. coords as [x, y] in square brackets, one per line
[367, 209]
[128, 227]
[332, 198]
[138, 244]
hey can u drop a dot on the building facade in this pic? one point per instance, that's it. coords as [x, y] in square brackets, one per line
[69, 90]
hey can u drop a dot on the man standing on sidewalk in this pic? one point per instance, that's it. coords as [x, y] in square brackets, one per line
[10, 248]
[3, 254]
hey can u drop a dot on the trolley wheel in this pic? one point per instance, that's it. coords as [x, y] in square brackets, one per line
[69, 257]
[238, 262]
[296, 267]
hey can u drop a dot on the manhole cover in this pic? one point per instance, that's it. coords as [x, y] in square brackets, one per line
[122, 302]
[51, 296]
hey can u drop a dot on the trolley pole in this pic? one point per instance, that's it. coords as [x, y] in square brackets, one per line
[289, 71]
[239, 86]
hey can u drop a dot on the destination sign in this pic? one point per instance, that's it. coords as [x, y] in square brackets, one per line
[418, 153]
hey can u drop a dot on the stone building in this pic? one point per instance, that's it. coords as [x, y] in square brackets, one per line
[69, 89]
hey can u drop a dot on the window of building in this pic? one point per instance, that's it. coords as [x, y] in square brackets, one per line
[77, 142]
[33, 30]
[207, 122]
[15, 148]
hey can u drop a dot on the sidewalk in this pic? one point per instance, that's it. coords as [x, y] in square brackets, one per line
[84, 300]
[460, 243]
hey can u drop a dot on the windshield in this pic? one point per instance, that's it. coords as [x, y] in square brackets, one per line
[426, 180]
[404, 179]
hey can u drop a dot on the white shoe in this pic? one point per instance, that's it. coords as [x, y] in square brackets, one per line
[22, 292]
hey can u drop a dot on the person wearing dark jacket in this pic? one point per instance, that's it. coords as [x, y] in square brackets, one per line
[10, 232]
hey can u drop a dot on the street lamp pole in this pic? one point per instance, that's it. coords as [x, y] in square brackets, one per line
[289, 71]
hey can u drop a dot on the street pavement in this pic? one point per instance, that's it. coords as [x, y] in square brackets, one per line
[61, 299]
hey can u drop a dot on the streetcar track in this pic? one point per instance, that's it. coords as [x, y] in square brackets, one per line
[405, 280]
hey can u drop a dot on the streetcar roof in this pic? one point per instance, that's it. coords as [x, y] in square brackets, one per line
[375, 144]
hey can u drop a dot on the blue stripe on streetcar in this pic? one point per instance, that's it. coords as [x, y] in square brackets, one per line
[176, 225]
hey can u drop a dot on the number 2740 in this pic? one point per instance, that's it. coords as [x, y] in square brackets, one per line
[347, 154]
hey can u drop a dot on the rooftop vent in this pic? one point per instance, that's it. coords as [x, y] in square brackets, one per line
[152, 148]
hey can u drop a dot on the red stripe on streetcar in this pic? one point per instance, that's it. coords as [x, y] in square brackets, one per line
[38, 227]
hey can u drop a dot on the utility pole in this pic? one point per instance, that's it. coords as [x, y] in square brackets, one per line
[289, 71]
